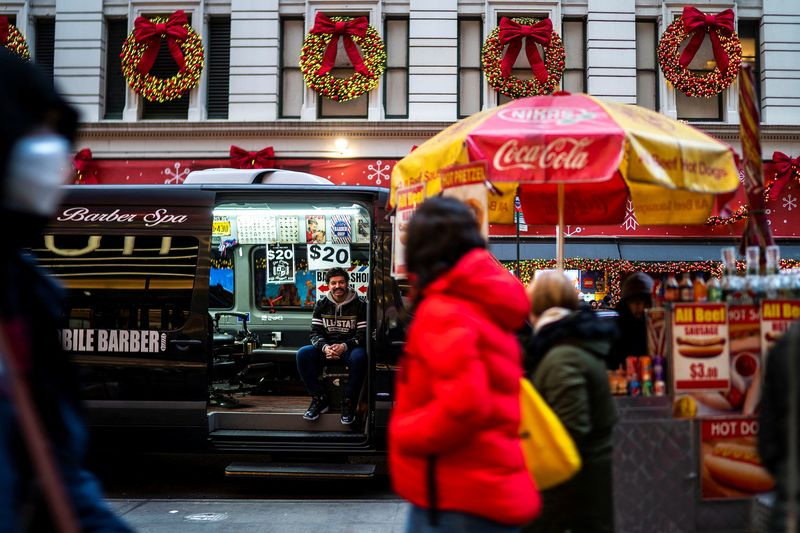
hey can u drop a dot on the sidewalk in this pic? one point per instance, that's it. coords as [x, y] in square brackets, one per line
[273, 516]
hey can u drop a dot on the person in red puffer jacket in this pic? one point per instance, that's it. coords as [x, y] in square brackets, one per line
[454, 449]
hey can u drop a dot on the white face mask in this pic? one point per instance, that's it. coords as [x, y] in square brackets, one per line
[38, 166]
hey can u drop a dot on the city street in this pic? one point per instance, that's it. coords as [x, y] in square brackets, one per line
[173, 494]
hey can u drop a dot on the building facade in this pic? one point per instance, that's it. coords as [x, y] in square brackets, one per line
[252, 94]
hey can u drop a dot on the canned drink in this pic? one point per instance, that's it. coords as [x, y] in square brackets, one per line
[658, 368]
[659, 388]
[631, 366]
[634, 387]
[647, 387]
[646, 365]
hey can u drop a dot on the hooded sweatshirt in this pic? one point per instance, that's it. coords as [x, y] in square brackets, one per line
[454, 430]
[336, 322]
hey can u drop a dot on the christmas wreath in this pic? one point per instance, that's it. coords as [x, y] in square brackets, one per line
[12, 39]
[725, 43]
[786, 169]
[140, 49]
[546, 72]
[318, 57]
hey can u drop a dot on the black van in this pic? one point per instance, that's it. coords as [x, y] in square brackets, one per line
[188, 303]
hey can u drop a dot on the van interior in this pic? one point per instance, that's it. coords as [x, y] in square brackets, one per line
[265, 278]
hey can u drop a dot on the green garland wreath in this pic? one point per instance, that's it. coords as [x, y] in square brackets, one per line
[16, 43]
[157, 89]
[342, 89]
[513, 87]
[682, 78]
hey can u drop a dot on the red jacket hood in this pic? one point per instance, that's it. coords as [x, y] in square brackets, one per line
[478, 278]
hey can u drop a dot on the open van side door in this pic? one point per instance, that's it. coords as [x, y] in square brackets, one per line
[135, 264]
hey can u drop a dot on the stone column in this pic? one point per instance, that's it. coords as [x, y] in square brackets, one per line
[611, 50]
[255, 31]
[780, 66]
[433, 51]
[79, 55]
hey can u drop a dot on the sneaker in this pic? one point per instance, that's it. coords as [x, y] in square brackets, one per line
[319, 405]
[348, 412]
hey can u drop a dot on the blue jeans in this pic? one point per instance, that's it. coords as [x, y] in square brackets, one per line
[310, 362]
[453, 522]
[92, 512]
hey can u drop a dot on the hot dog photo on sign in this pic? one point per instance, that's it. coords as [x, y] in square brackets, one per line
[730, 467]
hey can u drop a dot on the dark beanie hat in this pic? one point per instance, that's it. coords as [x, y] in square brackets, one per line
[27, 100]
[636, 284]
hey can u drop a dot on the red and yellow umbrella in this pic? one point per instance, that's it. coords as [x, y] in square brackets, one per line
[590, 154]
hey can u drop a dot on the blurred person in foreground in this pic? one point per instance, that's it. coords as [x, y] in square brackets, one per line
[35, 135]
[634, 297]
[773, 424]
[454, 449]
[566, 358]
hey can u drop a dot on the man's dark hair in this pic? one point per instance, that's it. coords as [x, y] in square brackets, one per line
[440, 233]
[337, 272]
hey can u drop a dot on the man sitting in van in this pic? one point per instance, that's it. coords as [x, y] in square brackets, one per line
[338, 333]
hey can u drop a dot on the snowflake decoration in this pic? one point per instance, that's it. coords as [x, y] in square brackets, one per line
[630, 222]
[177, 176]
[789, 202]
[569, 232]
[379, 171]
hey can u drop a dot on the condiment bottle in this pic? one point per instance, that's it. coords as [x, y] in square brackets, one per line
[753, 282]
[714, 290]
[686, 288]
[671, 289]
[700, 288]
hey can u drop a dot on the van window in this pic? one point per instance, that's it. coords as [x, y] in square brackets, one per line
[221, 279]
[123, 282]
[278, 239]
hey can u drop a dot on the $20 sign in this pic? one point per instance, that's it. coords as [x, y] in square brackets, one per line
[325, 256]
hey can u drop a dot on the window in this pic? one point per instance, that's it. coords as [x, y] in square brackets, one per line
[116, 86]
[395, 80]
[698, 108]
[749, 35]
[221, 279]
[276, 237]
[219, 62]
[134, 282]
[292, 86]
[45, 43]
[470, 80]
[574, 79]
[646, 64]
[166, 67]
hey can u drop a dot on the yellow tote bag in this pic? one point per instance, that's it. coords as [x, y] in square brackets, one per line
[550, 454]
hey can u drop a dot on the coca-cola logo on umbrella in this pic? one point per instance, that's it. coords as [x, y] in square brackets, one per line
[546, 115]
[561, 153]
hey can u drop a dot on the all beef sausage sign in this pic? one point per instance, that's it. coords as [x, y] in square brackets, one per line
[700, 350]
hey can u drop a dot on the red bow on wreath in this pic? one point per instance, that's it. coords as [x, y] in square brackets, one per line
[356, 27]
[241, 158]
[5, 28]
[82, 161]
[701, 23]
[150, 33]
[785, 168]
[512, 34]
